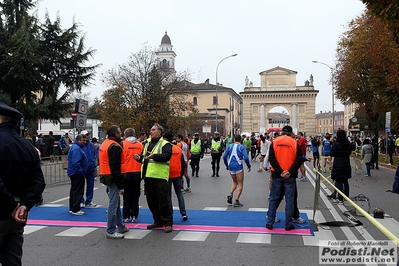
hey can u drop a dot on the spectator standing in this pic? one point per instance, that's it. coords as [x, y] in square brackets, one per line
[131, 169]
[374, 162]
[254, 143]
[184, 147]
[88, 149]
[391, 148]
[77, 167]
[50, 146]
[175, 174]
[155, 158]
[110, 155]
[40, 143]
[232, 159]
[96, 149]
[341, 170]
[285, 158]
[21, 185]
[395, 186]
[367, 155]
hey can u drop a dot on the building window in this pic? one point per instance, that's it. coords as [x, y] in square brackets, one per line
[165, 64]
[301, 109]
[255, 109]
[195, 101]
[215, 100]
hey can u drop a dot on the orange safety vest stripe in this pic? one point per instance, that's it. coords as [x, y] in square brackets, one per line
[103, 156]
[129, 164]
[175, 162]
[285, 149]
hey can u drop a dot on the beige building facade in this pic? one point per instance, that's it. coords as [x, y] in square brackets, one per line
[228, 109]
[278, 89]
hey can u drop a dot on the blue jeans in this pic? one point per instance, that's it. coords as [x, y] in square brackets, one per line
[368, 169]
[114, 215]
[278, 183]
[89, 188]
[177, 185]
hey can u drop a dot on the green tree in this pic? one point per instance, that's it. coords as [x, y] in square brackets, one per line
[141, 95]
[38, 60]
[366, 69]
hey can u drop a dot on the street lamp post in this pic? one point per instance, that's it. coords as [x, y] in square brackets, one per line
[332, 91]
[217, 100]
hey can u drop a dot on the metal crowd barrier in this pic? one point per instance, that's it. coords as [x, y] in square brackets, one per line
[55, 173]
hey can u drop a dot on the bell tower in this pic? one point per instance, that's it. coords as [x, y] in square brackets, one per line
[166, 55]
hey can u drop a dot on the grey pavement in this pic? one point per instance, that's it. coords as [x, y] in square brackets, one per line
[47, 246]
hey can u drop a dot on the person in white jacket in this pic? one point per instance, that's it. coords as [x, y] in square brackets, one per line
[264, 150]
[232, 158]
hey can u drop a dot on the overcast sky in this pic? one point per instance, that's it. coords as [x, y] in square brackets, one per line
[264, 34]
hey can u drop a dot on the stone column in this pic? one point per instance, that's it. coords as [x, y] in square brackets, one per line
[262, 119]
[294, 122]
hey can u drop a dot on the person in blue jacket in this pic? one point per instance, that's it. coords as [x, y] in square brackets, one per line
[77, 167]
[232, 158]
[90, 152]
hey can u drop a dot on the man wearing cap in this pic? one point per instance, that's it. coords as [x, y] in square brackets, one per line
[90, 152]
[216, 153]
[21, 185]
[197, 152]
[285, 157]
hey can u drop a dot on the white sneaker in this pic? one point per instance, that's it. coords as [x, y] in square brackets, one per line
[123, 230]
[115, 235]
[300, 220]
[78, 213]
[91, 205]
[82, 205]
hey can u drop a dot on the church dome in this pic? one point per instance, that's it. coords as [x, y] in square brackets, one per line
[166, 39]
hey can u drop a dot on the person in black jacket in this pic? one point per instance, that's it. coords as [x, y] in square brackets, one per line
[21, 185]
[341, 170]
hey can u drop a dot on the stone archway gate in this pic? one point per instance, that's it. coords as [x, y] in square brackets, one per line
[278, 88]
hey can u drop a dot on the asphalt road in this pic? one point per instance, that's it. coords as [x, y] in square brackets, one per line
[69, 246]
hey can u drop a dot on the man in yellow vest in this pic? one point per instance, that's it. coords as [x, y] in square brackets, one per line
[155, 170]
[216, 153]
[131, 169]
[110, 155]
[285, 157]
[197, 152]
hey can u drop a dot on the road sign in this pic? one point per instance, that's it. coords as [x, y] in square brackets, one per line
[387, 121]
[83, 106]
[81, 121]
[22, 123]
[74, 114]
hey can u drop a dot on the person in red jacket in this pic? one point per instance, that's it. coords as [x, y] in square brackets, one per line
[175, 176]
[131, 169]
